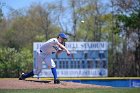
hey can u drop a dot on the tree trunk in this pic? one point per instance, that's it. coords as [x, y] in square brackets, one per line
[137, 56]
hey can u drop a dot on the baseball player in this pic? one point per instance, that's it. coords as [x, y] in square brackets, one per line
[54, 45]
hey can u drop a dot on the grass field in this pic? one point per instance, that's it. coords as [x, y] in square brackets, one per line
[84, 90]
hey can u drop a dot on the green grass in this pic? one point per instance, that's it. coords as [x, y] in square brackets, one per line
[84, 90]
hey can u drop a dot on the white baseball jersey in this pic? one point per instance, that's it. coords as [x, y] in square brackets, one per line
[50, 46]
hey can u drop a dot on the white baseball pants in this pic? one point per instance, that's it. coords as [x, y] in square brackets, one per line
[39, 58]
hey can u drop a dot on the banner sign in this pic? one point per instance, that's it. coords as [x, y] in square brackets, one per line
[91, 61]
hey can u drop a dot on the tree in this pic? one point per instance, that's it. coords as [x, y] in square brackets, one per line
[42, 18]
[127, 12]
[23, 27]
[91, 12]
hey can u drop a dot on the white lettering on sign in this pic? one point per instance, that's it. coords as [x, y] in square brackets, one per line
[37, 45]
[135, 83]
[87, 45]
[75, 73]
[79, 45]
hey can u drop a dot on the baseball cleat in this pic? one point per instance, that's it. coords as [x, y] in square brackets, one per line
[56, 81]
[22, 77]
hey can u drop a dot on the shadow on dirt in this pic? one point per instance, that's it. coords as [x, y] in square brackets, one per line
[39, 81]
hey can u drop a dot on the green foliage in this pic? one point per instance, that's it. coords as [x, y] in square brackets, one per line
[132, 21]
[13, 62]
[17, 34]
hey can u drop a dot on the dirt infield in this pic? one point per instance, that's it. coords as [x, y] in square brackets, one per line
[37, 84]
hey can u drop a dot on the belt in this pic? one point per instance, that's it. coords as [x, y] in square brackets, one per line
[43, 52]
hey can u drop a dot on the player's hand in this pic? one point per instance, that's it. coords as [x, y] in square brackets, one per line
[68, 53]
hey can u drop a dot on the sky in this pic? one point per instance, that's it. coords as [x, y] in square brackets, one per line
[18, 4]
